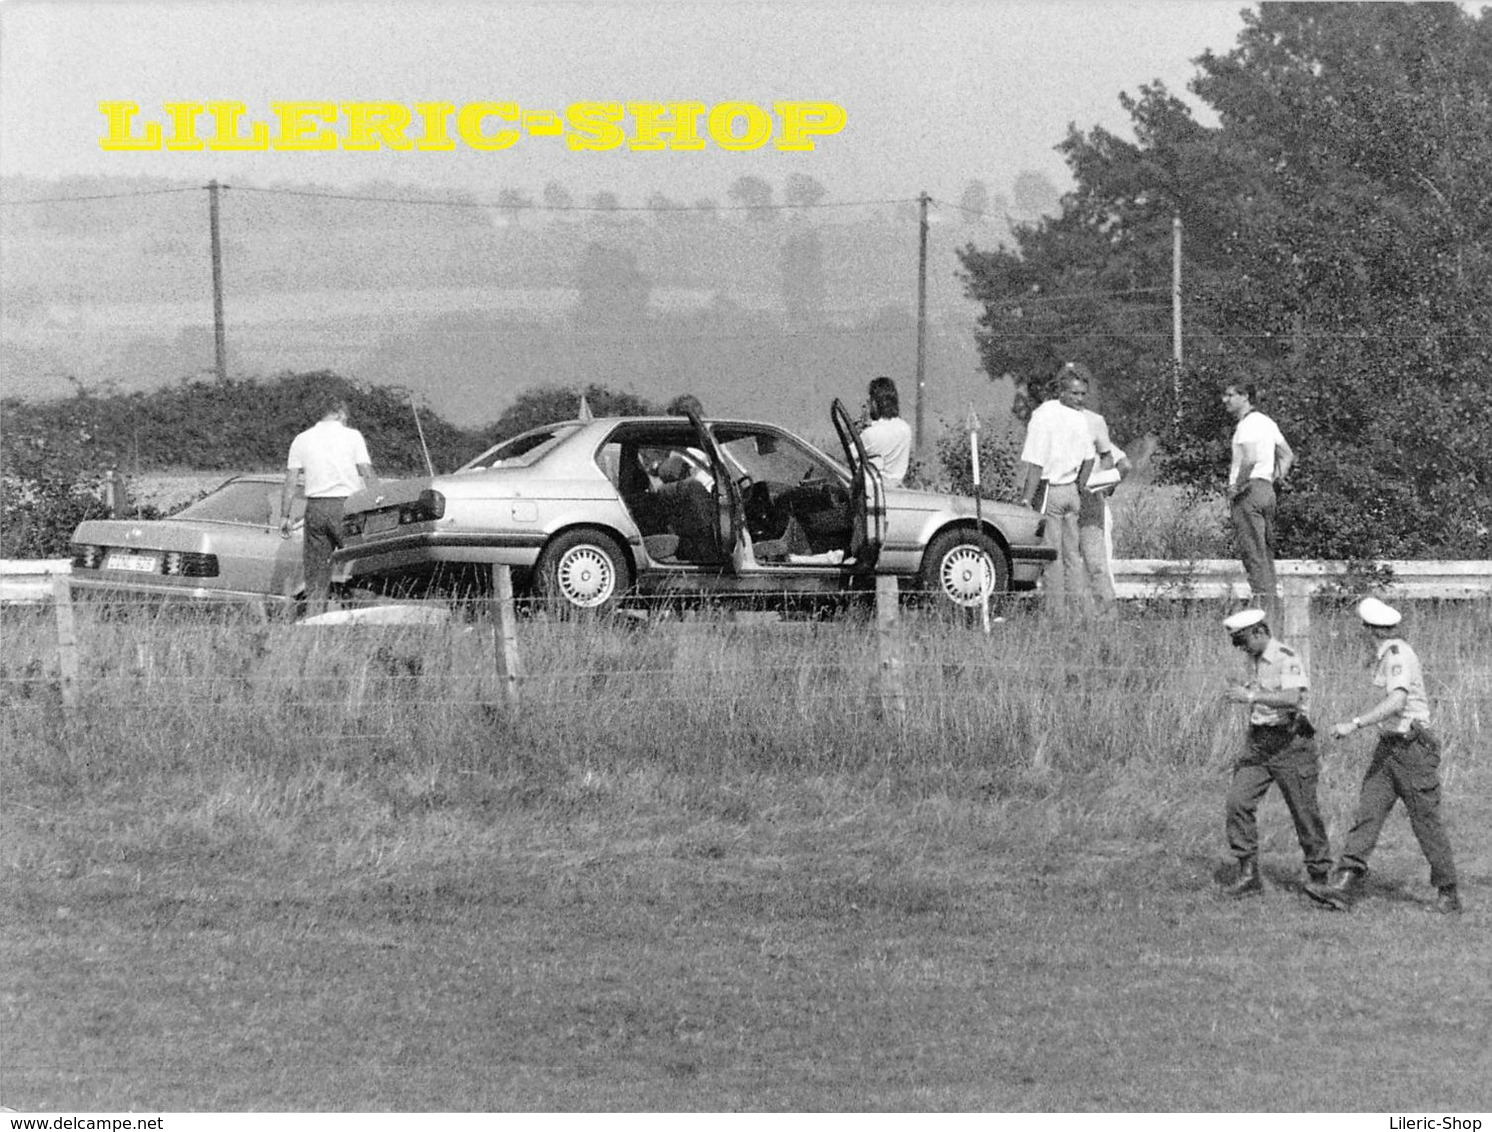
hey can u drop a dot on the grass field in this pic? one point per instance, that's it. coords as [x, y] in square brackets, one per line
[270, 867]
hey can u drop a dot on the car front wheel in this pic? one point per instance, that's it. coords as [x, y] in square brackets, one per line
[582, 571]
[960, 566]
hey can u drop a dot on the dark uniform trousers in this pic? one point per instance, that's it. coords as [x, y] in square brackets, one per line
[1407, 767]
[1277, 756]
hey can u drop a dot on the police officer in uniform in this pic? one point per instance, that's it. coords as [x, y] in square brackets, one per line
[1281, 750]
[1405, 764]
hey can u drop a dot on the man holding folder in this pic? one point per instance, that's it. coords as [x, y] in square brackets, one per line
[1060, 441]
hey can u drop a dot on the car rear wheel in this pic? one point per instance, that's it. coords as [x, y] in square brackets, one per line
[959, 565]
[582, 571]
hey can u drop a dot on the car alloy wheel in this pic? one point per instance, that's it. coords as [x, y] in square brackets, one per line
[583, 571]
[966, 575]
[962, 566]
[585, 577]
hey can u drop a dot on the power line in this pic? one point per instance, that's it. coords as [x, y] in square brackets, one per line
[101, 196]
[534, 206]
[506, 206]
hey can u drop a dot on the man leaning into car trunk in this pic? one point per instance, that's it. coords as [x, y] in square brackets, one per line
[334, 461]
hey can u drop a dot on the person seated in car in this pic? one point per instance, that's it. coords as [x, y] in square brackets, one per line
[689, 508]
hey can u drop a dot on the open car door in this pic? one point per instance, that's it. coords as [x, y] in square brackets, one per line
[730, 506]
[867, 491]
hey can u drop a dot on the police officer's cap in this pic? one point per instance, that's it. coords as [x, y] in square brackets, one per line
[1376, 613]
[1243, 619]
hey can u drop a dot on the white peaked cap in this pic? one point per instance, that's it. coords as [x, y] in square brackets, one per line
[1243, 619]
[1377, 613]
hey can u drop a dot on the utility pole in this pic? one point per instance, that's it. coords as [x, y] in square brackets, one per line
[219, 334]
[922, 201]
[1176, 309]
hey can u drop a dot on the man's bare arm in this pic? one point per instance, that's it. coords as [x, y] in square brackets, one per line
[1284, 459]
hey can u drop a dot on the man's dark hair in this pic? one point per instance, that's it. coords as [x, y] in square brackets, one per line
[335, 405]
[1074, 371]
[884, 401]
[1247, 388]
[683, 403]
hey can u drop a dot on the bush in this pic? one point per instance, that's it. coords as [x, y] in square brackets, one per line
[999, 459]
[38, 516]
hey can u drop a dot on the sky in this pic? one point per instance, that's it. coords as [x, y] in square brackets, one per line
[934, 94]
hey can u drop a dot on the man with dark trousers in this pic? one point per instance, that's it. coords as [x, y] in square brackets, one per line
[333, 461]
[1261, 459]
[1280, 751]
[1405, 764]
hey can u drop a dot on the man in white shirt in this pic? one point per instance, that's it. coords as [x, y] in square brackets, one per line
[1097, 544]
[1059, 439]
[333, 460]
[1261, 458]
[887, 438]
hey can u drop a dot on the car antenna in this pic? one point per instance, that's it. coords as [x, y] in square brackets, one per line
[429, 467]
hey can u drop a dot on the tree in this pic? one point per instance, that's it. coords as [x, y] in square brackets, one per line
[665, 209]
[804, 287]
[1336, 236]
[557, 197]
[802, 191]
[547, 404]
[754, 195]
[1034, 194]
[613, 291]
[514, 203]
[974, 201]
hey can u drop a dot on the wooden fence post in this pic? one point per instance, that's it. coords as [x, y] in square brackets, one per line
[67, 640]
[505, 622]
[888, 648]
[1296, 592]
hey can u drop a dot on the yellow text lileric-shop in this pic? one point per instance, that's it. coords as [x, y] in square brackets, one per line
[436, 127]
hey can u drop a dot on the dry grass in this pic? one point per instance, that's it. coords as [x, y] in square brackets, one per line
[1169, 522]
[266, 867]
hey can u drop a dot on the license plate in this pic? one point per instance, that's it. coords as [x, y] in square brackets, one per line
[140, 563]
[381, 521]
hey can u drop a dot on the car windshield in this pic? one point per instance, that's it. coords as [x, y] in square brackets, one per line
[256, 502]
[520, 451]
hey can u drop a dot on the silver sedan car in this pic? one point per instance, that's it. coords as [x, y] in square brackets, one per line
[224, 547]
[590, 513]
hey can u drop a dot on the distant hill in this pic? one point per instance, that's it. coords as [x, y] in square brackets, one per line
[469, 305]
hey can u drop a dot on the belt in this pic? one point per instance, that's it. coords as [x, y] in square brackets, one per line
[1405, 736]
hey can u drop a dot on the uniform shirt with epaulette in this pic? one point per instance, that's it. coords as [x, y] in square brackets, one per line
[1279, 667]
[1399, 671]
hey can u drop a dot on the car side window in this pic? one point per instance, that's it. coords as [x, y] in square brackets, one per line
[766, 456]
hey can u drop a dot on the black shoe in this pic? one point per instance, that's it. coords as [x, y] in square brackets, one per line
[1318, 875]
[1248, 882]
[1336, 893]
[1447, 901]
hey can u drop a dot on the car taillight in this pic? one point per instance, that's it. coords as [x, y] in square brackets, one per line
[352, 525]
[87, 557]
[429, 506]
[190, 564]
